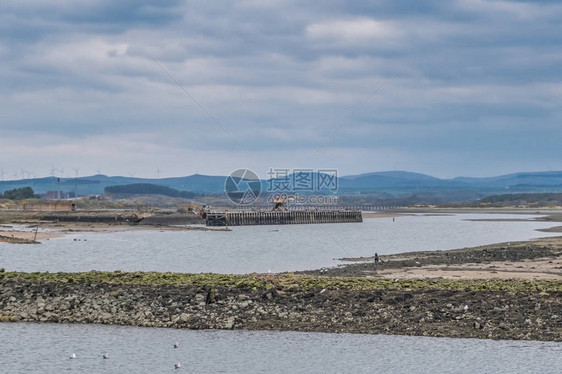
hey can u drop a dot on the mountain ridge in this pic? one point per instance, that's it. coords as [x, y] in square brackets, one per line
[393, 181]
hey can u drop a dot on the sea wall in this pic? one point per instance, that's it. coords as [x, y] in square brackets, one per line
[120, 217]
[426, 312]
[287, 217]
[172, 219]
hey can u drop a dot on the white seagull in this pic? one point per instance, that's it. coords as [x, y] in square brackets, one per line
[177, 365]
[105, 356]
[73, 355]
[177, 345]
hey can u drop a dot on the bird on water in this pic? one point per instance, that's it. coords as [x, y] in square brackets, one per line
[177, 365]
[177, 345]
[73, 355]
[105, 356]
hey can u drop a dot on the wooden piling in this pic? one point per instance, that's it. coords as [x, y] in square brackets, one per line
[244, 218]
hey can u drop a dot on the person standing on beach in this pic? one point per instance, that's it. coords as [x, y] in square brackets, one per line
[376, 258]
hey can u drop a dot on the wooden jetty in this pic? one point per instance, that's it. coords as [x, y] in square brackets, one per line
[282, 217]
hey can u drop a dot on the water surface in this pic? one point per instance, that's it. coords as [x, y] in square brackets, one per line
[46, 348]
[263, 248]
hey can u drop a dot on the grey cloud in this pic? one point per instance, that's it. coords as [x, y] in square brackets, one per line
[281, 76]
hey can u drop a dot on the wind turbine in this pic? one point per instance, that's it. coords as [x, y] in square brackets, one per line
[2, 174]
[98, 171]
[24, 172]
[54, 174]
[76, 182]
[158, 173]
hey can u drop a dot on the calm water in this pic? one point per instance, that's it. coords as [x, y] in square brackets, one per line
[262, 248]
[46, 348]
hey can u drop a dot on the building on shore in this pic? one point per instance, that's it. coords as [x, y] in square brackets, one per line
[55, 195]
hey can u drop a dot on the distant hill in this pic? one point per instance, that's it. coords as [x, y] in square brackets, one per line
[393, 175]
[538, 199]
[542, 179]
[96, 184]
[392, 179]
[148, 189]
[392, 183]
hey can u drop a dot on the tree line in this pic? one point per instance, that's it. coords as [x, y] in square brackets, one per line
[148, 189]
[19, 194]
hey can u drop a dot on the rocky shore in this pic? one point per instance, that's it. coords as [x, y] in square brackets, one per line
[537, 259]
[493, 309]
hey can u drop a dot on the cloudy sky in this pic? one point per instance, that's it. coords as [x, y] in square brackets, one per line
[448, 88]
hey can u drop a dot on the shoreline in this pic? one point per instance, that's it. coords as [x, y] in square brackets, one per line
[535, 259]
[56, 225]
[439, 308]
[59, 230]
[348, 299]
[104, 222]
[500, 291]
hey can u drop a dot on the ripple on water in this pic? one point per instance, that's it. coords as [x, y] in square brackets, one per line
[262, 248]
[45, 348]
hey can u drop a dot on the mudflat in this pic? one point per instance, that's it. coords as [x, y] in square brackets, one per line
[539, 259]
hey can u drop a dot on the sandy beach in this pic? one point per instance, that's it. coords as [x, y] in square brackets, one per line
[539, 259]
[20, 228]
[541, 268]
[26, 236]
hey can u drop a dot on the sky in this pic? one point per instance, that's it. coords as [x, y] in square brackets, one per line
[172, 88]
